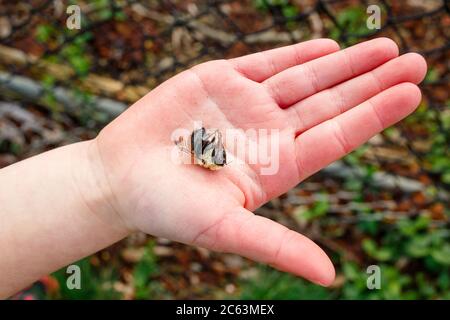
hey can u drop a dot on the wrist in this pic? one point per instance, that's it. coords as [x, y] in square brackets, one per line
[95, 189]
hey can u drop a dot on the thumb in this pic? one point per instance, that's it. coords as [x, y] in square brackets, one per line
[261, 239]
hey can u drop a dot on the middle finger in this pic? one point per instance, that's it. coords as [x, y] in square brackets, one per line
[301, 81]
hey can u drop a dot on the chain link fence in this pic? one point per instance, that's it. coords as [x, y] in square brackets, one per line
[59, 85]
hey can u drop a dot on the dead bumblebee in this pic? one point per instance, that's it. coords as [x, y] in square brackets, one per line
[206, 148]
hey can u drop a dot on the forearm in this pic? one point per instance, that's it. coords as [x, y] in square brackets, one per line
[54, 210]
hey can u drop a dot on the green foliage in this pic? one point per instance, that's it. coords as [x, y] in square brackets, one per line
[410, 227]
[95, 283]
[271, 284]
[432, 246]
[318, 209]
[432, 75]
[8, 146]
[415, 242]
[44, 32]
[48, 97]
[105, 11]
[394, 284]
[355, 160]
[288, 10]
[75, 54]
[419, 239]
[266, 4]
[351, 20]
[369, 227]
[437, 125]
[376, 252]
[144, 274]
[85, 112]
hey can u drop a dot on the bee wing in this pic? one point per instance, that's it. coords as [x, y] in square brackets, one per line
[197, 142]
[183, 145]
[211, 140]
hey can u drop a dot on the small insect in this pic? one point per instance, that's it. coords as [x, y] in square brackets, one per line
[206, 147]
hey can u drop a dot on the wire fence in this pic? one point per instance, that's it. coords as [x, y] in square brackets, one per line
[82, 78]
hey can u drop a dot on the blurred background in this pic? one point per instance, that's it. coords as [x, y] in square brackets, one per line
[385, 204]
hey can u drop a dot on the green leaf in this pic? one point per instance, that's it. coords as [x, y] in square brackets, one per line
[274, 285]
[442, 255]
[380, 254]
[80, 64]
[351, 271]
[418, 247]
[410, 227]
[290, 11]
[432, 75]
[44, 32]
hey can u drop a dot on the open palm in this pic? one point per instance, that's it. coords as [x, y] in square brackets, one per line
[322, 102]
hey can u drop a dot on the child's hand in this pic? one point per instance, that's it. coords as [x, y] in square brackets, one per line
[325, 103]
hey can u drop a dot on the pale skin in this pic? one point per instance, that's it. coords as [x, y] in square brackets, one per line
[65, 204]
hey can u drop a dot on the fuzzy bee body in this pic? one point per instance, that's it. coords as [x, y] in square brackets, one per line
[206, 147]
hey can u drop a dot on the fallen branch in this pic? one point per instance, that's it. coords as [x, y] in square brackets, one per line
[32, 91]
[380, 179]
